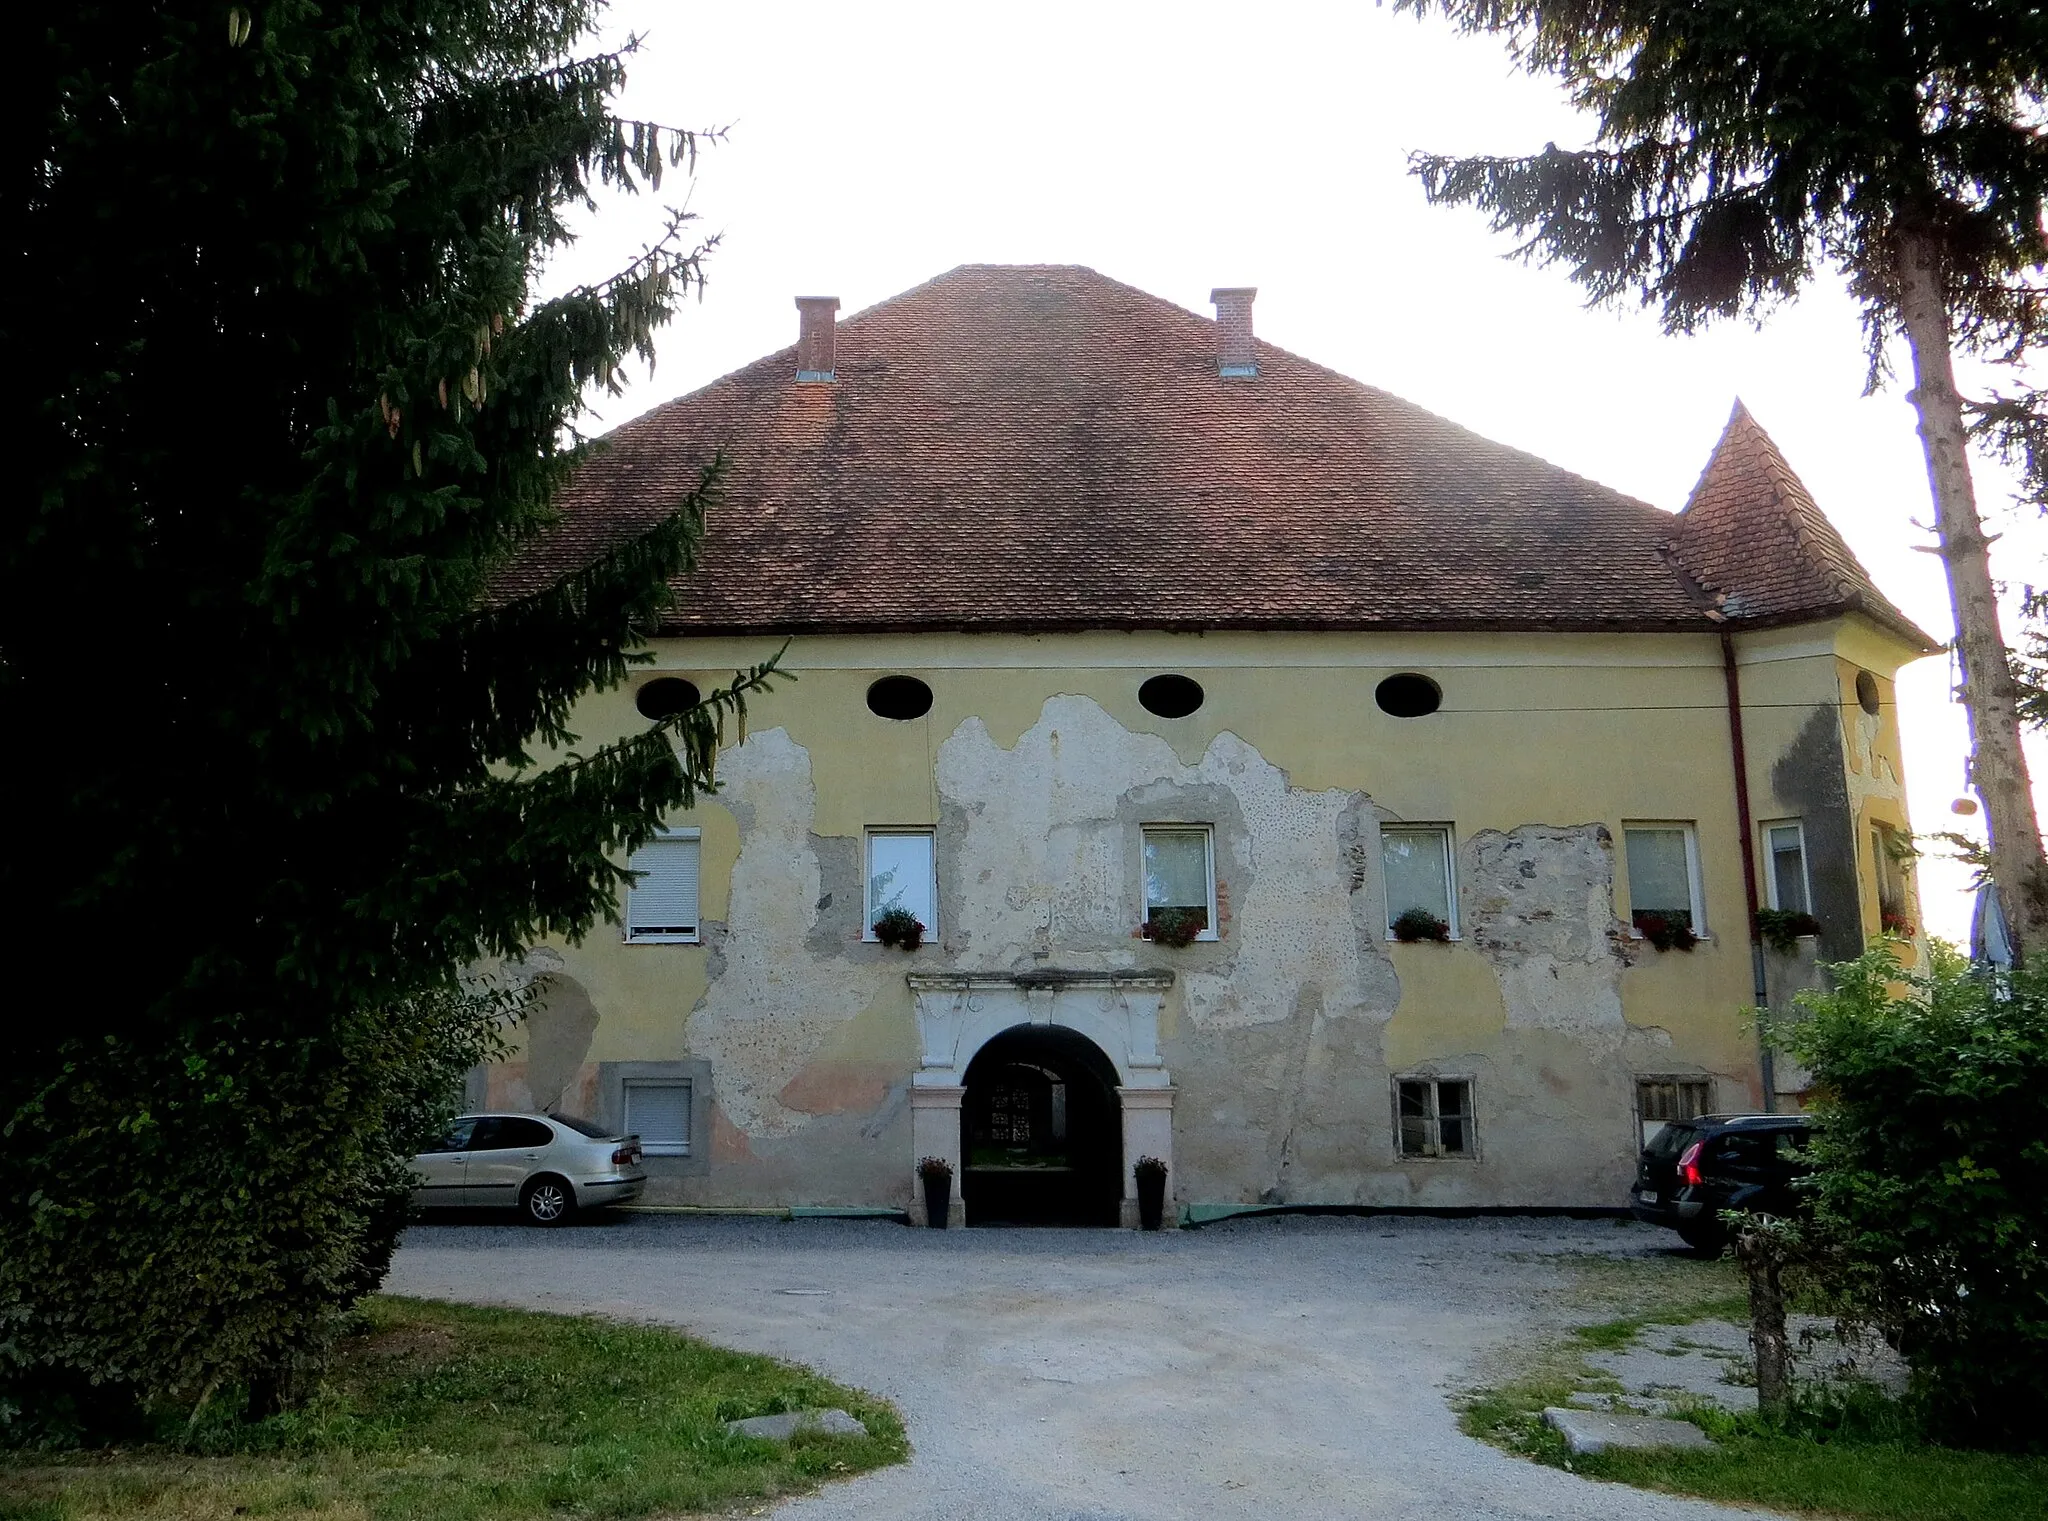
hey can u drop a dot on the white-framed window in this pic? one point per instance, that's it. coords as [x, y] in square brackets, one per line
[1662, 1100]
[1180, 874]
[902, 872]
[1415, 863]
[658, 1111]
[661, 905]
[1664, 875]
[1785, 884]
[1433, 1117]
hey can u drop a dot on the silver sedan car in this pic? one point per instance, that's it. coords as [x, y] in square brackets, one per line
[547, 1166]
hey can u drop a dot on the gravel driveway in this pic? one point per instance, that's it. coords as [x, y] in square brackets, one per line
[1271, 1368]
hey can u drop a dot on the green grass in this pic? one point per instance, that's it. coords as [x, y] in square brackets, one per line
[1855, 1456]
[459, 1414]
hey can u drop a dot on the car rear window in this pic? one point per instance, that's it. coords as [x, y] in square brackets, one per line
[591, 1128]
[1667, 1143]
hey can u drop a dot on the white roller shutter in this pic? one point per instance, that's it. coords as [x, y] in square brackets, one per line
[662, 905]
[659, 1113]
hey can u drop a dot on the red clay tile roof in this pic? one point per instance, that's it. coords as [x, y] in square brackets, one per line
[1752, 536]
[1042, 447]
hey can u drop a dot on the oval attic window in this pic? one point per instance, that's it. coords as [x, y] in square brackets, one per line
[1866, 693]
[1408, 695]
[665, 696]
[899, 697]
[1171, 696]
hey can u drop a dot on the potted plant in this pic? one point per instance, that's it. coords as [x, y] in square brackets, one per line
[1894, 923]
[899, 927]
[1781, 928]
[1412, 925]
[936, 1173]
[1667, 932]
[1176, 927]
[1150, 1173]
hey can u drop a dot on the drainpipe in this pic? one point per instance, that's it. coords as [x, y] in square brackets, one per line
[1766, 1060]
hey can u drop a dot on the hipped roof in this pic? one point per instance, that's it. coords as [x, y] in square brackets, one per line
[1040, 447]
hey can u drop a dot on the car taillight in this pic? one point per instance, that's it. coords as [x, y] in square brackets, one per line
[625, 1156]
[1689, 1166]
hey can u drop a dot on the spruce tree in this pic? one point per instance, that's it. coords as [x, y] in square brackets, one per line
[298, 736]
[1745, 145]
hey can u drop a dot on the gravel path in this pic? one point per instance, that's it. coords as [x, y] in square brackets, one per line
[1273, 1368]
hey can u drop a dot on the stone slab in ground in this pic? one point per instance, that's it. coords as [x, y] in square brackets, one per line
[1710, 1360]
[1590, 1431]
[780, 1428]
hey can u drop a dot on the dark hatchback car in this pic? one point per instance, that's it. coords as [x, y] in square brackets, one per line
[1693, 1169]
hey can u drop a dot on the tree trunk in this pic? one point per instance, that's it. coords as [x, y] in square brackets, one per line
[1998, 766]
[1759, 1255]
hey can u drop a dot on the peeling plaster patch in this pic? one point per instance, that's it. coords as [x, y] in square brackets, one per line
[1040, 845]
[767, 1012]
[1539, 905]
[559, 1026]
[1871, 774]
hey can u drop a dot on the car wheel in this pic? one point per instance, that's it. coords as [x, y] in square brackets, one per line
[1705, 1240]
[547, 1201]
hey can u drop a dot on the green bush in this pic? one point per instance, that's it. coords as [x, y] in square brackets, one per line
[232, 1198]
[1931, 1181]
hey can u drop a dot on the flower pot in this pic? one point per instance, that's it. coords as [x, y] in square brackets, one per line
[938, 1200]
[1151, 1197]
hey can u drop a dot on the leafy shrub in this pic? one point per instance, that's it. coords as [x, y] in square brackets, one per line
[1931, 1181]
[899, 927]
[1780, 928]
[1414, 924]
[1667, 932]
[200, 1292]
[1176, 927]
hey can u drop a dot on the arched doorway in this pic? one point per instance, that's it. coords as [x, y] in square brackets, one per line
[1041, 1132]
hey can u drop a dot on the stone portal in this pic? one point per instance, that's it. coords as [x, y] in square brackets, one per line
[1073, 1080]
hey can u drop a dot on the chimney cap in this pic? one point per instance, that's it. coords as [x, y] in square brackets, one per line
[817, 303]
[1223, 293]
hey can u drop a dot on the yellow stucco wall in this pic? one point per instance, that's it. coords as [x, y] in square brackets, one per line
[1573, 732]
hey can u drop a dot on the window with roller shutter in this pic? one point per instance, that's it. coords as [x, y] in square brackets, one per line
[661, 905]
[659, 1113]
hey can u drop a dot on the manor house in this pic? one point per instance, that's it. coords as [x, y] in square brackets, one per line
[1282, 781]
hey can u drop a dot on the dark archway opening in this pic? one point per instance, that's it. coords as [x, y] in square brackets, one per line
[1041, 1137]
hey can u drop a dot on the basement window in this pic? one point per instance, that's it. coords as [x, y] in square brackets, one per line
[1180, 874]
[661, 905]
[659, 1113]
[1415, 860]
[902, 873]
[1785, 881]
[1662, 1101]
[1664, 875]
[1433, 1117]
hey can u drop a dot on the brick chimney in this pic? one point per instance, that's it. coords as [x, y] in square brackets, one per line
[814, 338]
[1234, 351]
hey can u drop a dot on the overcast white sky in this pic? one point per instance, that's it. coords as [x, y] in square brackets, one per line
[1181, 147]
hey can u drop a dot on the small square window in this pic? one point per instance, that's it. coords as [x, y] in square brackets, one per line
[1664, 875]
[1660, 1101]
[1415, 861]
[1785, 880]
[661, 905]
[1433, 1117]
[1180, 874]
[902, 873]
[659, 1113]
